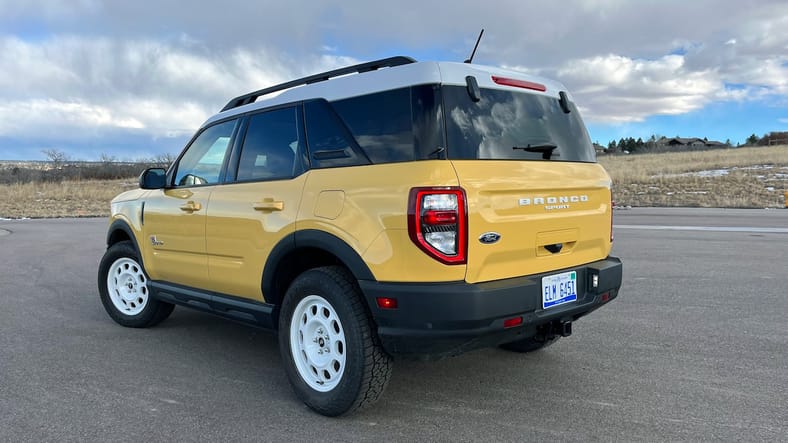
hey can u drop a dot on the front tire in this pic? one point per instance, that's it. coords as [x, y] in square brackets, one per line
[123, 288]
[328, 344]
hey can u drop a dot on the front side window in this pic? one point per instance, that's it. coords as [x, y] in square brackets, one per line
[513, 125]
[202, 162]
[272, 146]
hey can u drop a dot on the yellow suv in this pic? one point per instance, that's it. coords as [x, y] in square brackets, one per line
[391, 208]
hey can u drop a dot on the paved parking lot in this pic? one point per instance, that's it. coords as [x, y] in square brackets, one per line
[696, 347]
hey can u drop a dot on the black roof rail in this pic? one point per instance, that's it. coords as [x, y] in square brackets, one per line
[363, 67]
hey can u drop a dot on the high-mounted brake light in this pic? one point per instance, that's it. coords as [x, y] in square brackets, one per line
[519, 83]
[437, 223]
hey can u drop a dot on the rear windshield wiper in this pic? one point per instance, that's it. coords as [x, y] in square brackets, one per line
[545, 148]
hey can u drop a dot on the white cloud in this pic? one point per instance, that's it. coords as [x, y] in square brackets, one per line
[616, 89]
[76, 82]
[51, 115]
[120, 65]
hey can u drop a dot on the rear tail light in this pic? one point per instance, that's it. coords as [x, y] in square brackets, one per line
[437, 223]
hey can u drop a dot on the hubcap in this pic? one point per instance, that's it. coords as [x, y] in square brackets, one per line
[127, 286]
[317, 343]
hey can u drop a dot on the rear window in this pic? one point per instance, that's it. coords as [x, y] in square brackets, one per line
[513, 125]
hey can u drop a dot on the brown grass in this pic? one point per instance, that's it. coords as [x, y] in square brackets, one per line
[84, 198]
[756, 178]
[663, 179]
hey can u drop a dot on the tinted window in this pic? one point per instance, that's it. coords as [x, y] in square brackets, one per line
[330, 143]
[202, 162]
[504, 120]
[271, 146]
[394, 126]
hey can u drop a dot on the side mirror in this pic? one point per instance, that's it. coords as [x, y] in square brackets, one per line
[153, 178]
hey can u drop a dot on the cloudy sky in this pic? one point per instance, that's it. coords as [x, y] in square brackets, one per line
[134, 79]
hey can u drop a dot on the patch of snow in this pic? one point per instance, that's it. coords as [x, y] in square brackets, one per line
[709, 173]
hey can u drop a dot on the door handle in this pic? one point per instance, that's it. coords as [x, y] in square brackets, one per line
[191, 207]
[269, 204]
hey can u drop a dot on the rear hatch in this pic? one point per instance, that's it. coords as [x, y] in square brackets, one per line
[537, 200]
[533, 218]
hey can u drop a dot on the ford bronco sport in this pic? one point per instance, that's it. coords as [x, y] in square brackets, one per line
[392, 208]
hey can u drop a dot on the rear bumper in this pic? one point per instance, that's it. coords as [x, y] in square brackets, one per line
[441, 319]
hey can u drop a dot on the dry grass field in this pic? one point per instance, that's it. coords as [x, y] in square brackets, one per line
[729, 178]
[79, 198]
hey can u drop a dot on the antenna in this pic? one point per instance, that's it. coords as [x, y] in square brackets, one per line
[470, 59]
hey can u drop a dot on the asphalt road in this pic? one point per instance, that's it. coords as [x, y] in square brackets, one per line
[695, 348]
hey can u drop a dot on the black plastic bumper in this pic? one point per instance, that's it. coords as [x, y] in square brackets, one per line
[440, 319]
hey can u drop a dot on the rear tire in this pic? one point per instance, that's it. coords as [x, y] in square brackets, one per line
[123, 288]
[328, 343]
[530, 344]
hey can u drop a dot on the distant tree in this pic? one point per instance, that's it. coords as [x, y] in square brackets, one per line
[57, 157]
[106, 158]
[612, 146]
[727, 142]
[163, 160]
[752, 140]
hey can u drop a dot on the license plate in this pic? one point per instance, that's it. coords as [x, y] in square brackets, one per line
[559, 289]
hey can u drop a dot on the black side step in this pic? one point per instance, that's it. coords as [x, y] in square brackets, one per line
[323, 76]
[253, 313]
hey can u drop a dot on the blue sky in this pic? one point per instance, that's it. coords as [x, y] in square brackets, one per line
[135, 79]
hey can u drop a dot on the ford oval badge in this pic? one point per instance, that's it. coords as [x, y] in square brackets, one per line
[489, 238]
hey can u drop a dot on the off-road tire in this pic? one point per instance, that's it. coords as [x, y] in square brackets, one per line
[134, 307]
[357, 370]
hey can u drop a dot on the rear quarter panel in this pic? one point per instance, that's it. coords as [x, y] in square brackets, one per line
[367, 206]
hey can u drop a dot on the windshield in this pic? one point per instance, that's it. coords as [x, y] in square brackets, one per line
[513, 125]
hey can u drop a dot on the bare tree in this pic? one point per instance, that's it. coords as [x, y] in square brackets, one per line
[57, 157]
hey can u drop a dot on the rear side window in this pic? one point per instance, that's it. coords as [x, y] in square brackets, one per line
[271, 147]
[397, 125]
[330, 143]
[509, 124]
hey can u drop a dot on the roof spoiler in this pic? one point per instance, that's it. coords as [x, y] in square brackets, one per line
[363, 67]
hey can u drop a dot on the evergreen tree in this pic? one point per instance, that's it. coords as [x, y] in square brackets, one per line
[752, 140]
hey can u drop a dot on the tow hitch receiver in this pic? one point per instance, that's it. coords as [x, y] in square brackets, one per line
[565, 329]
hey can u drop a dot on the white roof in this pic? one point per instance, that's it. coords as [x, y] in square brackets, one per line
[419, 73]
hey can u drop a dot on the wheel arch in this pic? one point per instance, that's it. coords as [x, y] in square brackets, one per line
[120, 231]
[304, 250]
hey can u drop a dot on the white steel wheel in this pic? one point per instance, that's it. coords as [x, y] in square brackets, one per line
[317, 343]
[127, 286]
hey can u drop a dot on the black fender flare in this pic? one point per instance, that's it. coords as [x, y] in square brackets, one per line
[121, 225]
[312, 238]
